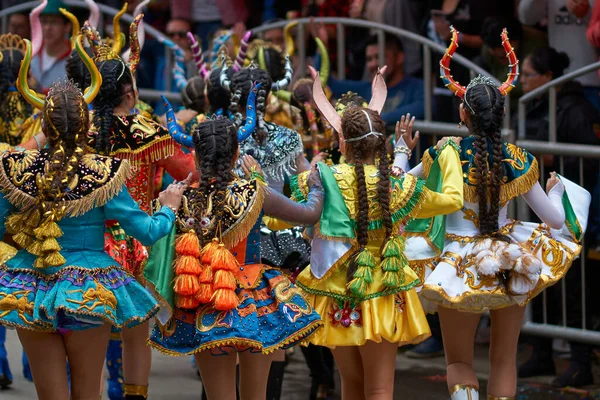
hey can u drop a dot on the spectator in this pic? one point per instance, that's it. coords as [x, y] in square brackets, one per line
[177, 30]
[405, 93]
[50, 64]
[19, 25]
[204, 14]
[577, 121]
[567, 22]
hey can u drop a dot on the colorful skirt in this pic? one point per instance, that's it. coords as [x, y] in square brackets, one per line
[394, 315]
[456, 279]
[272, 315]
[89, 290]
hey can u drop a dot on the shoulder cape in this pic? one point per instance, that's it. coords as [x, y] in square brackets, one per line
[97, 180]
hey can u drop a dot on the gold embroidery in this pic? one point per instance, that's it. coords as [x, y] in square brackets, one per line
[100, 296]
[100, 166]
[284, 291]
[462, 268]
[22, 306]
[471, 215]
[218, 322]
[518, 158]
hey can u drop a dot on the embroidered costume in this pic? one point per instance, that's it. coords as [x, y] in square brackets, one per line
[271, 314]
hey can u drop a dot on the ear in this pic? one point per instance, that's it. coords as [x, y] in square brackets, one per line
[400, 58]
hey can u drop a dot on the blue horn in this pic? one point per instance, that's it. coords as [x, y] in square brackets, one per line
[245, 131]
[174, 129]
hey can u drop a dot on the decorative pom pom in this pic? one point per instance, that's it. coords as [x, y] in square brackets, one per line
[186, 285]
[394, 247]
[186, 302]
[188, 245]
[208, 251]
[224, 280]
[206, 275]
[489, 265]
[225, 299]
[223, 259]
[512, 252]
[187, 264]
[205, 293]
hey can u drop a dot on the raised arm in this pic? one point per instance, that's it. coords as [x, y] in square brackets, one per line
[180, 164]
[404, 145]
[308, 213]
[549, 208]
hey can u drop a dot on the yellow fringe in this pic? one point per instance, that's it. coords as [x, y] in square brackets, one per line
[241, 228]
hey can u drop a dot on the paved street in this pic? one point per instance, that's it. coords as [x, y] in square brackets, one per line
[174, 378]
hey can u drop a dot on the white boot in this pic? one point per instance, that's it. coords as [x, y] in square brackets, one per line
[463, 392]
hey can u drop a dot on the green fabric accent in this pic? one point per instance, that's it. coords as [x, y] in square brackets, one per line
[570, 217]
[297, 194]
[335, 218]
[159, 270]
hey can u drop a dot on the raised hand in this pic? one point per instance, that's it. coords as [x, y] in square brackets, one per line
[404, 129]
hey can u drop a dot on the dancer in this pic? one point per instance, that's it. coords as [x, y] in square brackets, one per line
[61, 291]
[359, 280]
[489, 262]
[118, 132]
[222, 299]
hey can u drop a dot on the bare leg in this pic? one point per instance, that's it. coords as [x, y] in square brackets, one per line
[48, 361]
[86, 351]
[506, 326]
[137, 355]
[379, 364]
[254, 374]
[218, 374]
[458, 332]
[351, 370]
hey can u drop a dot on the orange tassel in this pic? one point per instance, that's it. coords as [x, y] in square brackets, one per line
[208, 251]
[224, 280]
[187, 265]
[188, 245]
[225, 300]
[224, 259]
[205, 293]
[206, 275]
[186, 302]
[186, 285]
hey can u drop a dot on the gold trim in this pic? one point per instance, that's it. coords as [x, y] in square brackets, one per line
[135, 390]
[464, 387]
[240, 230]
[490, 397]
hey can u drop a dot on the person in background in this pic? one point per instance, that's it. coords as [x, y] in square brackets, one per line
[177, 29]
[275, 35]
[405, 93]
[204, 14]
[577, 121]
[19, 25]
[50, 64]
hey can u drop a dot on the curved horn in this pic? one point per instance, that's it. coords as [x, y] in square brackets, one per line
[179, 67]
[241, 56]
[36, 27]
[323, 104]
[94, 13]
[450, 83]
[284, 95]
[223, 79]
[92, 37]
[287, 78]
[513, 64]
[174, 129]
[135, 48]
[245, 131]
[217, 44]
[198, 58]
[31, 96]
[141, 31]
[289, 40]
[378, 92]
[96, 79]
[118, 41]
[74, 23]
[325, 67]
[262, 63]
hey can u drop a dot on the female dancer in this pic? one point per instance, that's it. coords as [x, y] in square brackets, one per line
[118, 132]
[359, 280]
[489, 262]
[61, 291]
[225, 300]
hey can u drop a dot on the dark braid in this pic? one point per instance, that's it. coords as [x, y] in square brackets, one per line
[486, 108]
[9, 70]
[216, 145]
[218, 98]
[116, 81]
[242, 83]
[77, 71]
[192, 95]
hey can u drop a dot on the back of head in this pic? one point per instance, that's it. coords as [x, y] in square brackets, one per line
[492, 29]
[357, 122]
[392, 42]
[76, 69]
[218, 97]
[349, 99]
[241, 85]
[13, 50]
[275, 63]
[192, 95]
[547, 59]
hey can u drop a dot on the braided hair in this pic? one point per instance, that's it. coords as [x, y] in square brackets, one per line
[275, 62]
[354, 124]
[216, 146]
[116, 80]
[485, 105]
[76, 69]
[192, 95]
[218, 98]
[9, 70]
[241, 85]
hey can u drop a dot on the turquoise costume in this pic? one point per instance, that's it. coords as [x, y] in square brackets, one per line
[90, 288]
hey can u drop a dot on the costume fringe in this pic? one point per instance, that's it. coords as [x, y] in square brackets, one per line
[240, 230]
[159, 149]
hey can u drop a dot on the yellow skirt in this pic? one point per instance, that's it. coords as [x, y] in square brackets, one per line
[394, 315]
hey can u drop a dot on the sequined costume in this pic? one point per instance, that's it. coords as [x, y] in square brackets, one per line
[90, 288]
[271, 314]
[458, 278]
[379, 311]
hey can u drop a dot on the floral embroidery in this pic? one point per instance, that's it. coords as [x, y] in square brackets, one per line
[400, 303]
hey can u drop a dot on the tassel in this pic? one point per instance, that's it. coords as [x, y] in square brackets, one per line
[208, 251]
[363, 274]
[365, 258]
[186, 285]
[206, 276]
[48, 229]
[205, 294]
[223, 259]
[187, 264]
[54, 259]
[357, 286]
[14, 223]
[225, 299]
[186, 302]
[224, 280]
[391, 264]
[23, 240]
[39, 263]
[35, 248]
[33, 219]
[188, 245]
[394, 247]
[50, 244]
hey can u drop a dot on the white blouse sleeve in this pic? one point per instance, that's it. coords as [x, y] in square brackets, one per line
[548, 208]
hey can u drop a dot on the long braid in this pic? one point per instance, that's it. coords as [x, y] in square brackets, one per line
[362, 205]
[383, 190]
[241, 84]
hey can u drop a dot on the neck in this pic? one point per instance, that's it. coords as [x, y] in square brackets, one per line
[56, 49]
[122, 109]
[188, 55]
[396, 78]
